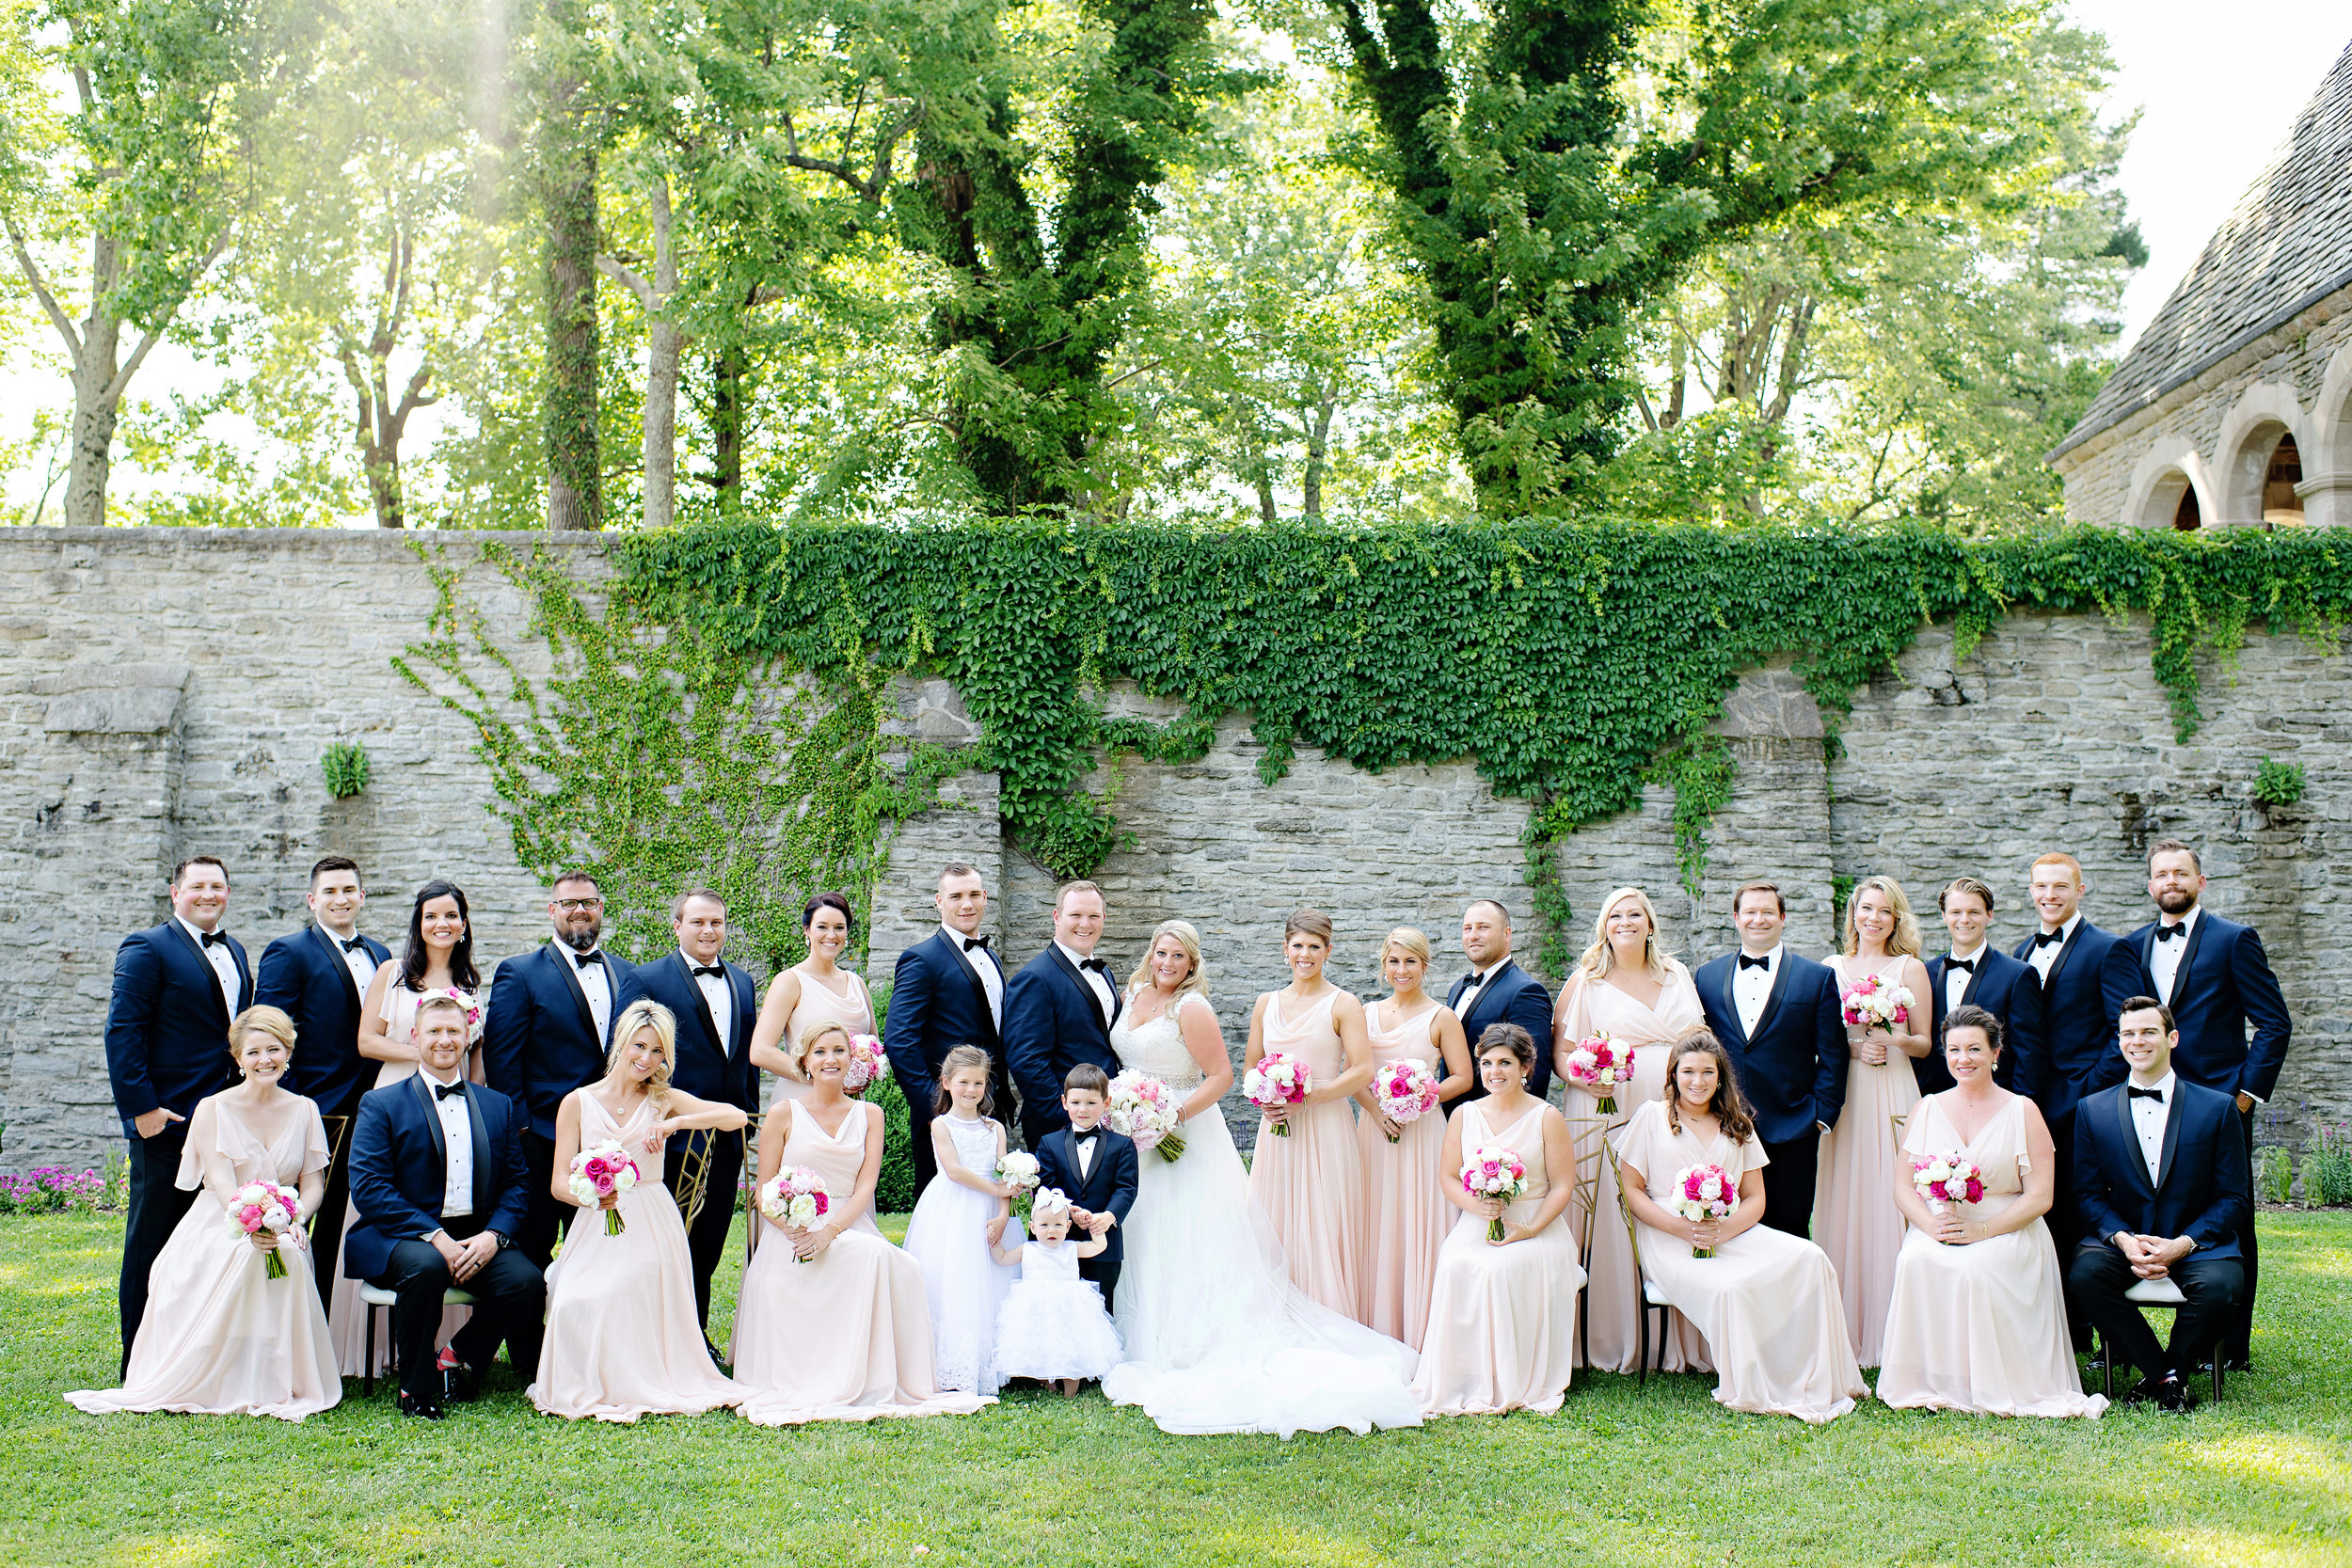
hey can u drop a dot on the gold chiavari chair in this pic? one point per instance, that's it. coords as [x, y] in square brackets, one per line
[1584, 1206]
[337, 1129]
[1646, 1300]
[752, 1227]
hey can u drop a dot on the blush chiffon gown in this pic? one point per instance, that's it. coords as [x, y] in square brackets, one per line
[624, 1337]
[1855, 1217]
[1310, 1184]
[220, 1337]
[1404, 1214]
[820, 1004]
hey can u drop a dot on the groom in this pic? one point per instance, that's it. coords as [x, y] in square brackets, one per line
[1059, 1012]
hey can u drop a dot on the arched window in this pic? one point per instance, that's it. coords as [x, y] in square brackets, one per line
[2186, 516]
[2281, 504]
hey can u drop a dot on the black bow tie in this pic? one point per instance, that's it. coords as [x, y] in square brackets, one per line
[1764, 963]
[357, 944]
[583, 960]
[1967, 964]
[443, 1091]
[1087, 1136]
[717, 972]
[970, 942]
[2043, 939]
[2164, 933]
[1102, 964]
[2156, 1095]
[213, 938]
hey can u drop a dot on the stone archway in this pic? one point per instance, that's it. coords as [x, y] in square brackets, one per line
[2170, 489]
[2260, 459]
[2326, 487]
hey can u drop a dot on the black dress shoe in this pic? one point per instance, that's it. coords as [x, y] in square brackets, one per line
[423, 1410]
[2170, 1394]
[461, 1383]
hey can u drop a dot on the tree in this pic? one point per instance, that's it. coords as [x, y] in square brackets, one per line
[568, 133]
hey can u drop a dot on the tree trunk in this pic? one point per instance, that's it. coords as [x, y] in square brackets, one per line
[729, 370]
[97, 400]
[661, 356]
[1318, 459]
[575, 471]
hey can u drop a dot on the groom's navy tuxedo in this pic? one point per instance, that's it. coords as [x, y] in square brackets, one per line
[1052, 1023]
[1793, 1070]
[937, 1002]
[2011, 991]
[2077, 1045]
[1511, 996]
[540, 1043]
[1108, 1186]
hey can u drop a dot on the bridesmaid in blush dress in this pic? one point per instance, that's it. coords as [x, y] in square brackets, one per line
[814, 991]
[1309, 1182]
[832, 1323]
[1627, 987]
[1978, 1318]
[624, 1335]
[225, 1340]
[1405, 1212]
[1853, 1219]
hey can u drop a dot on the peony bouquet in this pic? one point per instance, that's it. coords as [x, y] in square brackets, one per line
[1018, 1170]
[1871, 1003]
[795, 1197]
[1597, 1066]
[1493, 1171]
[1703, 1192]
[1945, 1180]
[260, 1206]
[1279, 1079]
[868, 1064]
[473, 1010]
[1148, 1111]
[1405, 1090]
[606, 1170]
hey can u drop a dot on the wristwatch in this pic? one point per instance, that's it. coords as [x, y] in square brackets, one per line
[504, 1240]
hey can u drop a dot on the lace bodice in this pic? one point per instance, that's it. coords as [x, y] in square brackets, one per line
[976, 1143]
[1157, 1048]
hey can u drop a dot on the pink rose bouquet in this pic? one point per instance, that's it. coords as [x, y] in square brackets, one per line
[1597, 1066]
[868, 1064]
[1703, 1192]
[606, 1170]
[795, 1197]
[1405, 1090]
[1145, 1109]
[1277, 1081]
[1493, 1171]
[1946, 1179]
[260, 1206]
[1871, 1003]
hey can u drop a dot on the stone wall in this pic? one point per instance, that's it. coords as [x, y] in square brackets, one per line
[163, 691]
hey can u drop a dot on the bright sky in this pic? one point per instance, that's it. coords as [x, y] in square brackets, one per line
[2218, 86]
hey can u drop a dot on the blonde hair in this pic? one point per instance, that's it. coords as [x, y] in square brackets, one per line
[809, 1036]
[1904, 942]
[1599, 959]
[270, 1021]
[1415, 945]
[1188, 938]
[644, 1013]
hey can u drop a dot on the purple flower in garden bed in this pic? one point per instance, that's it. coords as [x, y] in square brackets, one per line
[51, 1188]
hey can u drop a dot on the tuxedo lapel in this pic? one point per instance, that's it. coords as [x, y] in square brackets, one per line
[1976, 976]
[2172, 1136]
[245, 976]
[1731, 999]
[2133, 1161]
[739, 986]
[2066, 951]
[1085, 992]
[212, 980]
[954, 948]
[335, 956]
[418, 1087]
[2148, 954]
[561, 958]
[702, 1005]
[2188, 958]
[485, 1198]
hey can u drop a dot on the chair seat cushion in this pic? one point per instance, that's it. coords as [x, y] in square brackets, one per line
[2155, 1292]
[376, 1295]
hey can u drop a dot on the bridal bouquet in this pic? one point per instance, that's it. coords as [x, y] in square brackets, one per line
[601, 1172]
[1277, 1081]
[795, 1197]
[1407, 1090]
[868, 1064]
[1018, 1170]
[1945, 1180]
[1493, 1171]
[260, 1206]
[1873, 1003]
[1597, 1066]
[1145, 1109]
[1703, 1192]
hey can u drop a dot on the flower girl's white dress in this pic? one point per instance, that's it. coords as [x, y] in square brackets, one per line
[1053, 1324]
[966, 1287]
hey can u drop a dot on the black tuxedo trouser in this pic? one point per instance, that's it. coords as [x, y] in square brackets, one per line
[2066, 1222]
[2237, 1337]
[1789, 1184]
[1104, 1273]
[544, 1218]
[326, 1227]
[707, 1237]
[510, 1303]
[2099, 1275]
[156, 1208]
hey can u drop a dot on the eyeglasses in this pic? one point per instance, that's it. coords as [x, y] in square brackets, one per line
[573, 906]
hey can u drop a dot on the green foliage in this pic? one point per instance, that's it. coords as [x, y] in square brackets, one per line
[2327, 1169]
[345, 767]
[2279, 784]
[1700, 769]
[2274, 1174]
[894, 1188]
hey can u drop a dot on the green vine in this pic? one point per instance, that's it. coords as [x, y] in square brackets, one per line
[1700, 768]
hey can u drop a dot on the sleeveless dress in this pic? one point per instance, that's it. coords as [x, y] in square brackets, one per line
[1405, 1213]
[818, 1004]
[1217, 1337]
[624, 1337]
[220, 1337]
[965, 1286]
[846, 1337]
[1612, 1305]
[1855, 1217]
[1981, 1327]
[1502, 1319]
[346, 1314]
[1310, 1183]
[1767, 1301]
[1054, 1326]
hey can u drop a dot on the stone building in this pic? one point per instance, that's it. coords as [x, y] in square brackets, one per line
[2234, 407]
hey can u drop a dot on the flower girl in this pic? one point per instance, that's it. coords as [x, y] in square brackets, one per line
[1053, 1325]
[956, 1219]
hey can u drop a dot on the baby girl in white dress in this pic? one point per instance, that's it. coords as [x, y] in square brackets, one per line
[1053, 1326]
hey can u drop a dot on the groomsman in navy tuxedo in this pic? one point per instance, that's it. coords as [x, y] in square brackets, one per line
[547, 1033]
[716, 1010]
[436, 1171]
[1977, 974]
[2068, 957]
[318, 975]
[948, 990]
[176, 987]
[1095, 1168]
[1777, 1013]
[2161, 1178]
[1498, 991]
[1058, 1011]
[2216, 978]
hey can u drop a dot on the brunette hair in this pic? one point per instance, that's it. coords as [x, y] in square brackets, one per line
[677, 905]
[1741, 893]
[1061, 893]
[1967, 884]
[956, 868]
[333, 862]
[566, 879]
[2161, 846]
[1970, 1015]
[1904, 940]
[1506, 1037]
[179, 872]
[958, 1058]
[2146, 1004]
[1729, 1106]
[1313, 923]
[415, 960]
[827, 901]
[1087, 1076]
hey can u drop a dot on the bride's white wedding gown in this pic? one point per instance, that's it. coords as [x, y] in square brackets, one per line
[1217, 1337]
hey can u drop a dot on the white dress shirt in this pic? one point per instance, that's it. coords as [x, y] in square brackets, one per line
[2045, 955]
[224, 966]
[1098, 981]
[1468, 999]
[357, 959]
[1956, 981]
[717, 995]
[457, 1134]
[983, 964]
[2149, 1117]
[2163, 958]
[1086, 1153]
[595, 983]
[1751, 986]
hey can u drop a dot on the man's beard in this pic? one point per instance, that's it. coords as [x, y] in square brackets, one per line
[2176, 900]
[582, 940]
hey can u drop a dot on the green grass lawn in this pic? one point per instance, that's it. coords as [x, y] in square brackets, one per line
[1656, 1475]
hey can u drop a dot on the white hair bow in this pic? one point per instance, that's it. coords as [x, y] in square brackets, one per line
[1048, 1202]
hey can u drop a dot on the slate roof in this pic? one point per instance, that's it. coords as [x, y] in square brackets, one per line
[2286, 246]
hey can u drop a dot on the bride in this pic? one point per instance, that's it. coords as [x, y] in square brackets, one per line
[1217, 1337]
